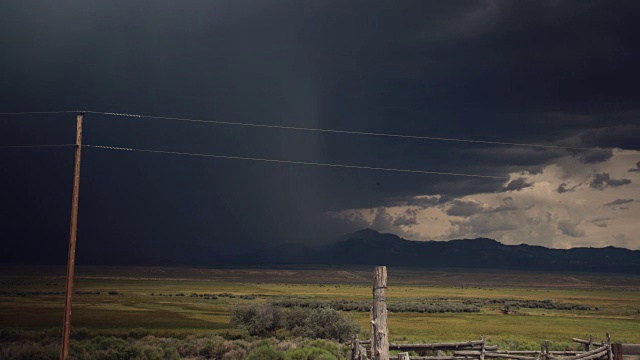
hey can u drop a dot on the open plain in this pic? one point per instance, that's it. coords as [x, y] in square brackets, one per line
[514, 309]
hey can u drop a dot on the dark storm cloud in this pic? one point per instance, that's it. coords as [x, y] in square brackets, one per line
[407, 219]
[556, 73]
[563, 188]
[504, 208]
[463, 208]
[570, 228]
[619, 202]
[600, 222]
[624, 136]
[594, 157]
[518, 158]
[383, 220]
[517, 185]
[425, 201]
[603, 180]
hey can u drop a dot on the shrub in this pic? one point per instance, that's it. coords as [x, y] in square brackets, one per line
[80, 333]
[148, 352]
[310, 353]
[332, 347]
[257, 320]
[99, 347]
[296, 317]
[39, 352]
[267, 352]
[267, 320]
[235, 354]
[212, 349]
[10, 334]
[171, 353]
[327, 324]
[138, 333]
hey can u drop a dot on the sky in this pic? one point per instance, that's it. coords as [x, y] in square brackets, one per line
[562, 74]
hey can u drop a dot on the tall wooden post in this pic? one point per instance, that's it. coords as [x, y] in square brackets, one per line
[379, 328]
[71, 260]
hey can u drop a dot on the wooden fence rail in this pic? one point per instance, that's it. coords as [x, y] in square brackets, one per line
[470, 351]
[378, 348]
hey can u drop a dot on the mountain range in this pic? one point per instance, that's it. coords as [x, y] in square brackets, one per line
[369, 247]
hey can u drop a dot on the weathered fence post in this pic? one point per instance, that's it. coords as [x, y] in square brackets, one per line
[379, 329]
[609, 353]
[482, 349]
[547, 353]
[403, 356]
[587, 347]
[617, 351]
[358, 352]
[544, 351]
[355, 345]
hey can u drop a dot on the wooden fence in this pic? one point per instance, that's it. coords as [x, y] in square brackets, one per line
[378, 347]
[478, 350]
[626, 351]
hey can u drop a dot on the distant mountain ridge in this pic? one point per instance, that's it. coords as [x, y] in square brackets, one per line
[369, 247]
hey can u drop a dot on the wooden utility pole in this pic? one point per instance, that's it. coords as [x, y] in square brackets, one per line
[71, 260]
[379, 328]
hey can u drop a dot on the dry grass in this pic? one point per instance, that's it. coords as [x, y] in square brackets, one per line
[616, 296]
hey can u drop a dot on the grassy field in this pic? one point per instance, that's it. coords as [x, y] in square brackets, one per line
[161, 300]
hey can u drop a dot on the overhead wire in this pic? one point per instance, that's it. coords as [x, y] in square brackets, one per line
[34, 146]
[292, 162]
[39, 112]
[285, 128]
[335, 131]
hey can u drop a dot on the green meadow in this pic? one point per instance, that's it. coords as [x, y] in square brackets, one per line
[180, 301]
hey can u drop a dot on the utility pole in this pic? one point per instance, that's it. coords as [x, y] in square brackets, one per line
[71, 261]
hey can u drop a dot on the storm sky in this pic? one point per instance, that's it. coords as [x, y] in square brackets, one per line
[559, 73]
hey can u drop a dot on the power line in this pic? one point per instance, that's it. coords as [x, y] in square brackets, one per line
[284, 127]
[292, 162]
[34, 146]
[335, 131]
[39, 112]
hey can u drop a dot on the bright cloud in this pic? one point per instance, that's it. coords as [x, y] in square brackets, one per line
[568, 204]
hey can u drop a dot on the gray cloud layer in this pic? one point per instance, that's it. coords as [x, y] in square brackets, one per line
[604, 180]
[554, 73]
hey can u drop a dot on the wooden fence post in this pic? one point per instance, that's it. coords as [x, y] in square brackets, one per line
[546, 349]
[617, 351]
[403, 356]
[355, 345]
[609, 350]
[379, 329]
[358, 352]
